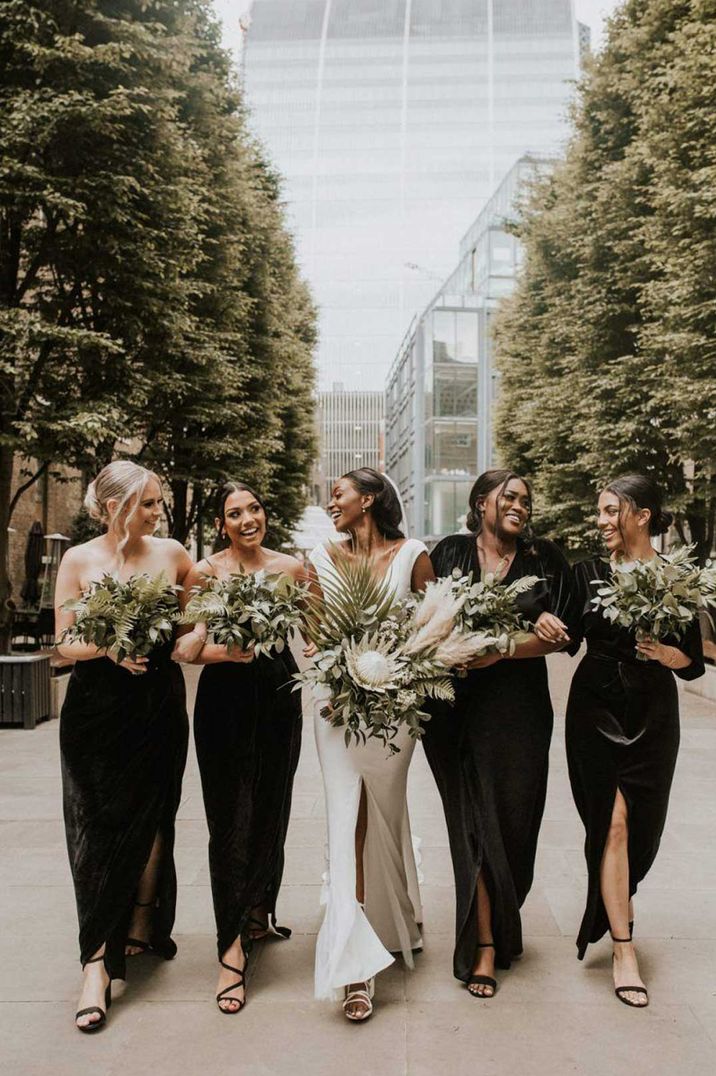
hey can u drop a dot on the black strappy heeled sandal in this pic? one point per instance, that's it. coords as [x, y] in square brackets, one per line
[261, 928]
[137, 943]
[620, 991]
[482, 980]
[96, 1024]
[221, 996]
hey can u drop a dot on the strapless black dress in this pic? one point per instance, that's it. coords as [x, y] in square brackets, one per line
[247, 730]
[123, 742]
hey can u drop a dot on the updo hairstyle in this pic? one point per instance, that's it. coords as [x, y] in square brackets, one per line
[229, 487]
[386, 508]
[123, 481]
[639, 491]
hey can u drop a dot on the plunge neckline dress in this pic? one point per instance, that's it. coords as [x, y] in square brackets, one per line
[622, 732]
[354, 942]
[489, 754]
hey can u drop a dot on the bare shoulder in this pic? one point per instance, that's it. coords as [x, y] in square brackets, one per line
[171, 547]
[80, 556]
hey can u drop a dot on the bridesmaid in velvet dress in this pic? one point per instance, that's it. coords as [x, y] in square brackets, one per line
[489, 752]
[623, 731]
[123, 739]
[247, 730]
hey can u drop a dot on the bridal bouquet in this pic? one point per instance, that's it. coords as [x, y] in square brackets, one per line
[130, 618]
[252, 611]
[379, 659]
[489, 610]
[656, 597]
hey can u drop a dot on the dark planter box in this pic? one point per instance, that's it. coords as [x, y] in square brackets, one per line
[24, 690]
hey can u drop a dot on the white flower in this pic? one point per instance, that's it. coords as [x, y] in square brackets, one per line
[406, 700]
[371, 664]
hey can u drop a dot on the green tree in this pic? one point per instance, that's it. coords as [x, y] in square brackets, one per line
[237, 399]
[148, 289]
[600, 366]
[96, 226]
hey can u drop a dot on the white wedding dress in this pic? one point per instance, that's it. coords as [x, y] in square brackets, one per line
[355, 943]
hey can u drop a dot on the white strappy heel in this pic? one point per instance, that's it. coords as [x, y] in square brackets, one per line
[360, 997]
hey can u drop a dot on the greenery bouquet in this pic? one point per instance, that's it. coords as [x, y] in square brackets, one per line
[129, 618]
[254, 611]
[656, 597]
[379, 659]
[490, 612]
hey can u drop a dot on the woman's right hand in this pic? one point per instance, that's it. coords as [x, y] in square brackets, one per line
[310, 650]
[133, 665]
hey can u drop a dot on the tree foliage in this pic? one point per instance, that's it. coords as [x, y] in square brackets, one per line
[607, 348]
[149, 296]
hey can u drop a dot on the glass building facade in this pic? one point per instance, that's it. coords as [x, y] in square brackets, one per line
[442, 386]
[392, 121]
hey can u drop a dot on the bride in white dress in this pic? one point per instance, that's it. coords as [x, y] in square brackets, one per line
[371, 894]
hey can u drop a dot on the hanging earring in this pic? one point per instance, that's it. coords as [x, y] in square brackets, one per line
[363, 509]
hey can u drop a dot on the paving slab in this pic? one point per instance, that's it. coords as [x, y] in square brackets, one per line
[552, 1015]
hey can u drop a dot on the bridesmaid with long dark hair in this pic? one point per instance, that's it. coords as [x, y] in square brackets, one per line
[123, 739]
[489, 752]
[247, 730]
[623, 730]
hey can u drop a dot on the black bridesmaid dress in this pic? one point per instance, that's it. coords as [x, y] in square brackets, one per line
[622, 733]
[247, 729]
[489, 755]
[123, 742]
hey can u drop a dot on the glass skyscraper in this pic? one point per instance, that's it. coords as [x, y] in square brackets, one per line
[442, 386]
[392, 122]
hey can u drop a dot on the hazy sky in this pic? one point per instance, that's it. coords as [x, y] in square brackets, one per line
[592, 12]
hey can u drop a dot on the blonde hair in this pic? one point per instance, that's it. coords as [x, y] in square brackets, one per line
[123, 481]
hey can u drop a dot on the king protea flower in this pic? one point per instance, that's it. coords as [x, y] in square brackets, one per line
[371, 664]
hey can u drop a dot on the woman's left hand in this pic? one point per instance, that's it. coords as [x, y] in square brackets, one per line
[550, 629]
[188, 647]
[656, 651]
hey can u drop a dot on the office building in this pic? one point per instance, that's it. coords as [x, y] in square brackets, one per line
[392, 122]
[350, 435]
[442, 386]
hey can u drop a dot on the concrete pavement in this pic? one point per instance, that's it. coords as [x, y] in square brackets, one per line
[552, 1015]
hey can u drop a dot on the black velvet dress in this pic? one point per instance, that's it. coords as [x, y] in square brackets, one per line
[247, 729]
[123, 742]
[622, 733]
[489, 755]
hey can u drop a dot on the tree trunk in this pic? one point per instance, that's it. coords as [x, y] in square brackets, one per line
[6, 466]
[179, 520]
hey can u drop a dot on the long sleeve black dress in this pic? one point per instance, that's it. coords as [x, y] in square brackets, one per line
[489, 756]
[622, 733]
[247, 730]
[123, 742]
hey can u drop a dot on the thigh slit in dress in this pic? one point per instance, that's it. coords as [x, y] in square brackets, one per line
[489, 756]
[622, 733]
[123, 743]
[356, 942]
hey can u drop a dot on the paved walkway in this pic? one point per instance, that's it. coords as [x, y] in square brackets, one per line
[552, 1016]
